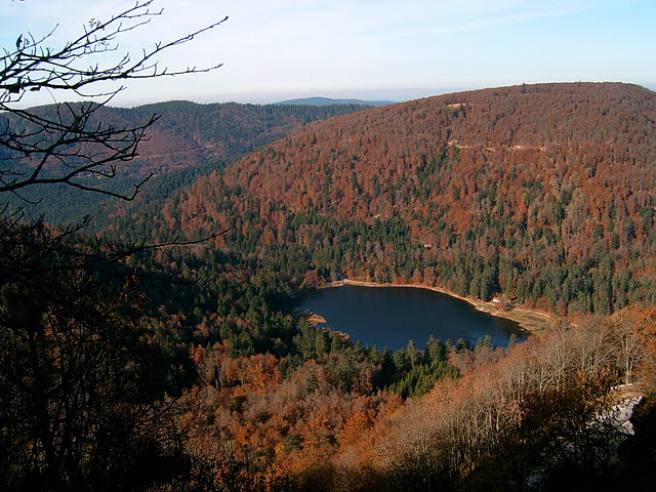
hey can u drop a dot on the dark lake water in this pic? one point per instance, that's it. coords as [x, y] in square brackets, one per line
[389, 317]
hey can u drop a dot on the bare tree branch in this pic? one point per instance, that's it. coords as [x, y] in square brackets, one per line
[69, 143]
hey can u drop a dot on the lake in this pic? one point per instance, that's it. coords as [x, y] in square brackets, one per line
[390, 316]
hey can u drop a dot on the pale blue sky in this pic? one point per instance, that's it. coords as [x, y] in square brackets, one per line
[370, 48]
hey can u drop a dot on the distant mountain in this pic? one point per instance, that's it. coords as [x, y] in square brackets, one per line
[188, 140]
[327, 101]
[546, 193]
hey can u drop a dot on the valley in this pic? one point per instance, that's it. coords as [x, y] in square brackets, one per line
[231, 262]
[511, 229]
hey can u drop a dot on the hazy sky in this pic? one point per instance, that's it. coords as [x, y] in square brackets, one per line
[274, 49]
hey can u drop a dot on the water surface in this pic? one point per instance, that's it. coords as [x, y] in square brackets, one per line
[390, 316]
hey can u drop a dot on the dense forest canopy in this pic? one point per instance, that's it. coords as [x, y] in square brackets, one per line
[543, 193]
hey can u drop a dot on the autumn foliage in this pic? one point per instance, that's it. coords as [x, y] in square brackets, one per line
[507, 417]
[543, 193]
[205, 378]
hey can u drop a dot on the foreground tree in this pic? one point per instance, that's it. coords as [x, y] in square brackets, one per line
[82, 404]
[81, 394]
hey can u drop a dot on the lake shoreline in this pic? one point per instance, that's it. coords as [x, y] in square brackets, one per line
[530, 320]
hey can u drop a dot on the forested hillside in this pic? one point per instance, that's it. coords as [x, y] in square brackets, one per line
[544, 193]
[187, 141]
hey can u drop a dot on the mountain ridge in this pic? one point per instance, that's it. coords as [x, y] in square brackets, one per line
[327, 101]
